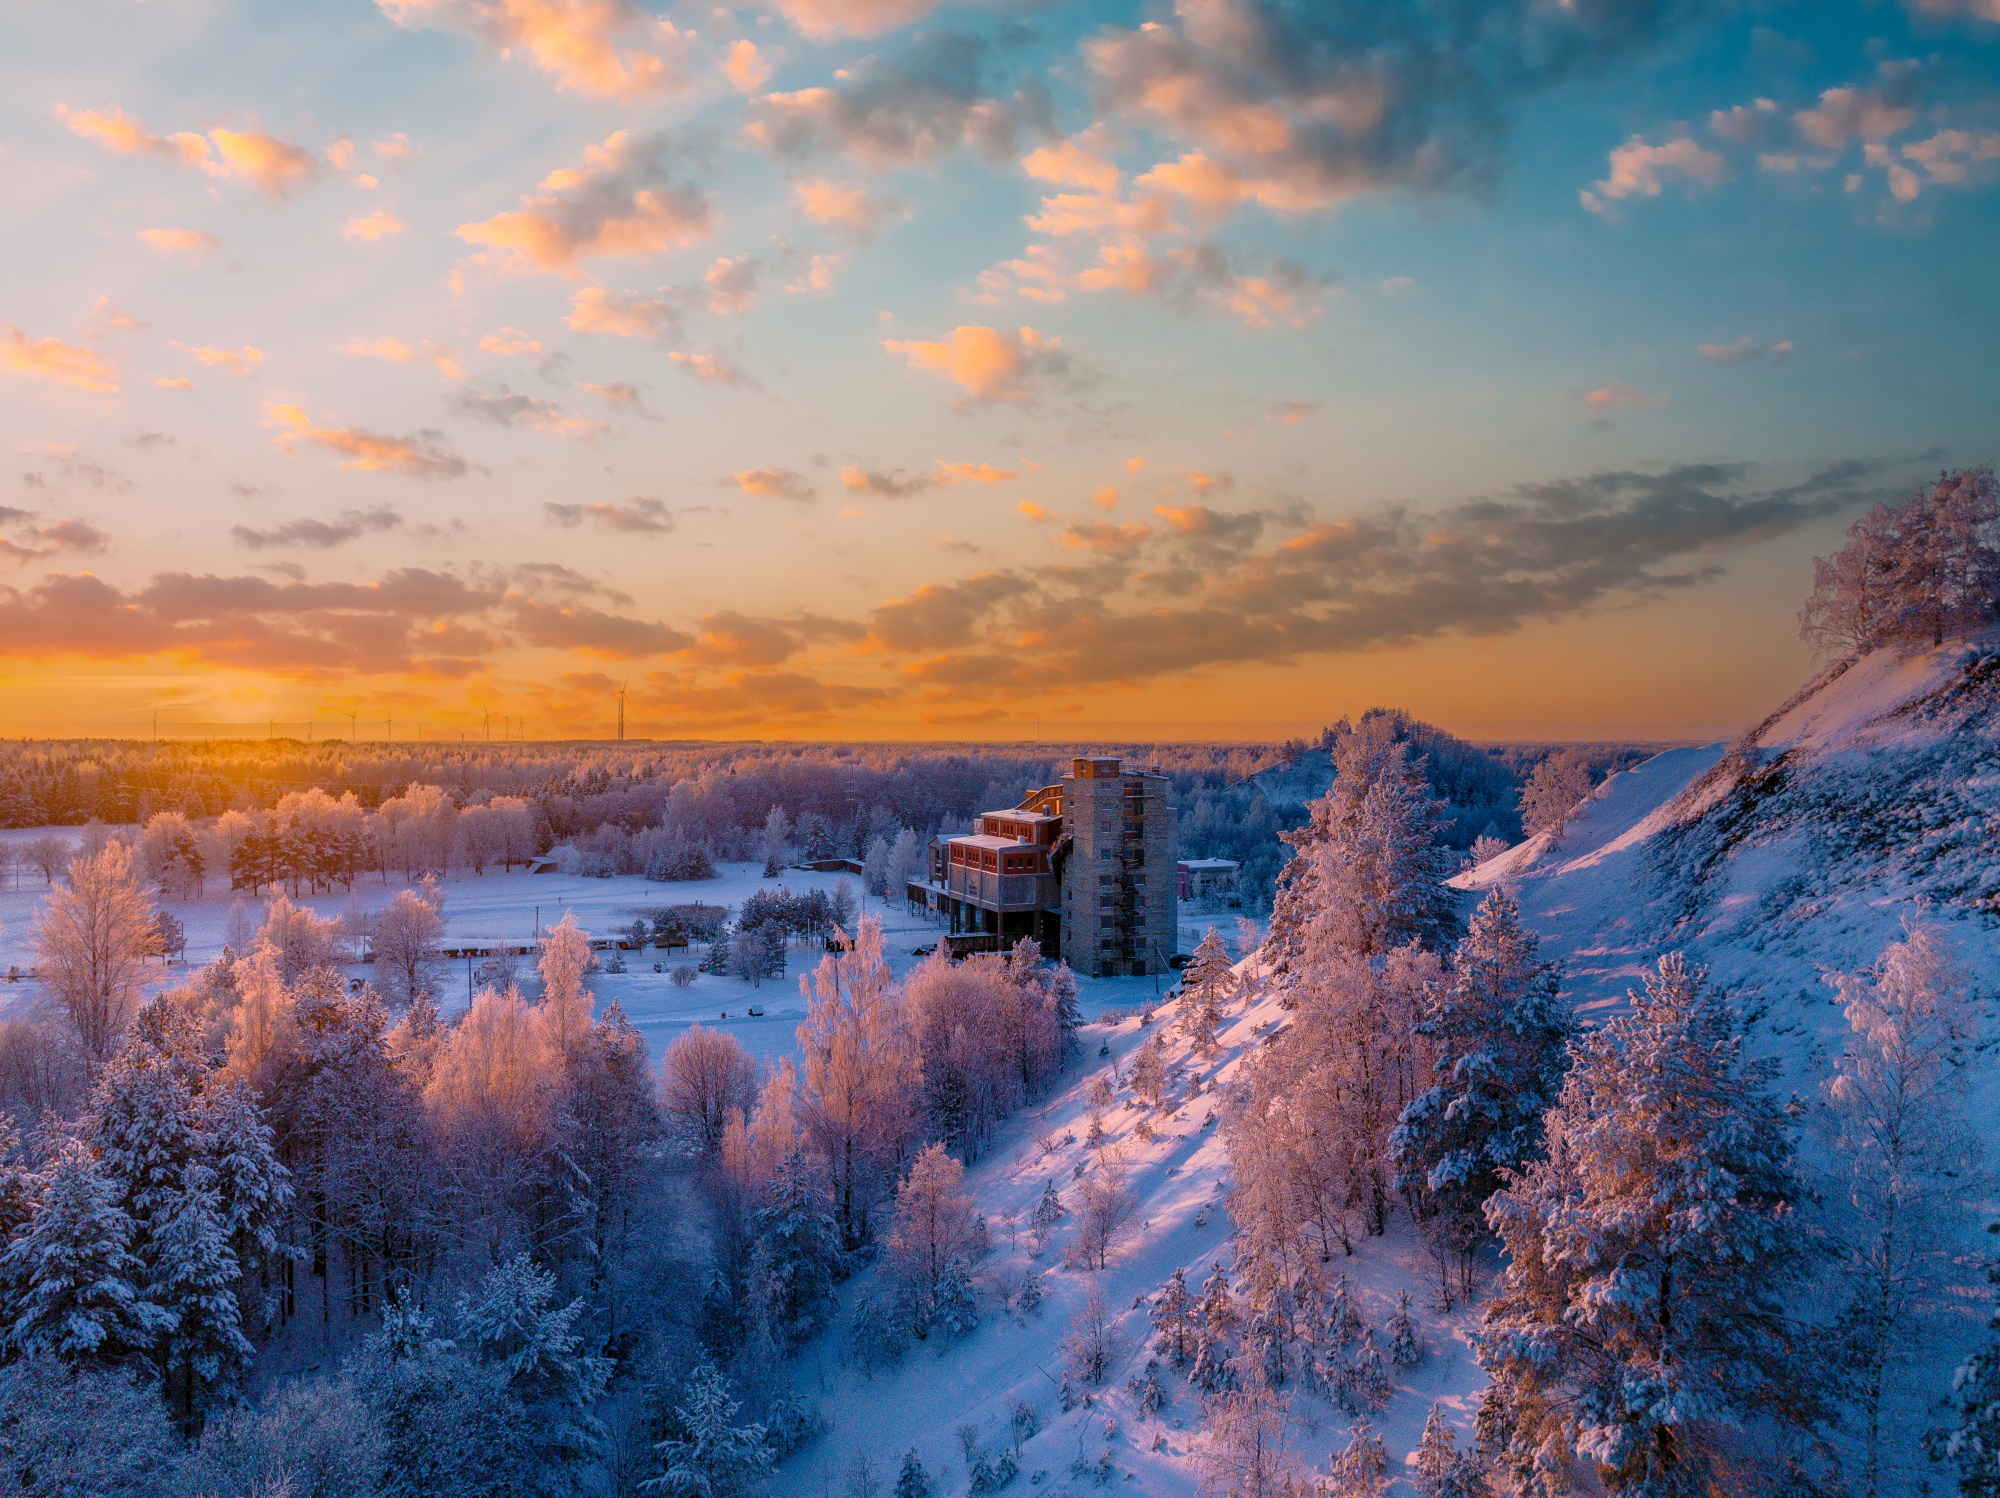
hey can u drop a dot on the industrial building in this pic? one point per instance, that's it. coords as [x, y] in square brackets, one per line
[1085, 867]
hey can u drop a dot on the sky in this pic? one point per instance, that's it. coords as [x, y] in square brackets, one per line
[889, 369]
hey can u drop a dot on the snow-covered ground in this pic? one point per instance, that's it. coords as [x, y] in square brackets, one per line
[498, 905]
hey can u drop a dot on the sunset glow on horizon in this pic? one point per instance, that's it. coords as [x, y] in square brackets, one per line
[888, 369]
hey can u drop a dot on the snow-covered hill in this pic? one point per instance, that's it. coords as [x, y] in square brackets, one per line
[1874, 794]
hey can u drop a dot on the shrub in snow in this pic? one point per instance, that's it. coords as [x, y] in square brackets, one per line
[790, 1423]
[83, 1431]
[1029, 1296]
[311, 1437]
[912, 1481]
[1640, 1308]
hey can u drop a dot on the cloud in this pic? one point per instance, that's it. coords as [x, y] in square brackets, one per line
[1618, 394]
[508, 409]
[1103, 536]
[321, 535]
[919, 107]
[607, 49]
[824, 20]
[1847, 114]
[774, 483]
[892, 483]
[1303, 107]
[420, 456]
[1291, 413]
[619, 394]
[1640, 169]
[1205, 484]
[713, 368]
[1069, 164]
[376, 225]
[624, 314]
[252, 156]
[509, 341]
[732, 284]
[236, 361]
[49, 538]
[1742, 349]
[73, 468]
[52, 359]
[745, 67]
[620, 203]
[175, 382]
[840, 207]
[395, 148]
[990, 366]
[592, 632]
[191, 244]
[1982, 10]
[1950, 158]
[398, 352]
[635, 517]
[1752, 126]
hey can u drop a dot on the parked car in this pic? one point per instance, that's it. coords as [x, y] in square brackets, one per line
[1179, 960]
[923, 951]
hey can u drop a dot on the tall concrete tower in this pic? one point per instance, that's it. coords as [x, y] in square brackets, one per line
[1119, 895]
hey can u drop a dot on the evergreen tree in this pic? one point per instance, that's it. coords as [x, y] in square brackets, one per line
[1974, 1444]
[800, 1252]
[194, 1278]
[1206, 985]
[1405, 1350]
[710, 1458]
[1216, 1320]
[1361, 1468]
[80, 1296]
[1443, 1471]
[145, 1128]
[1647, 1252]
[913, 1481]
[1501, 1038]
[513, 1323]
[1174, 1320]
[253, 1190]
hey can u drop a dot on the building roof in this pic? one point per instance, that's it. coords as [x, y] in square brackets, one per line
[1015, 814]
[985, 840]
[1209, 865]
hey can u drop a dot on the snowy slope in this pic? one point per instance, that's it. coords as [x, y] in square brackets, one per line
[1180, 1179]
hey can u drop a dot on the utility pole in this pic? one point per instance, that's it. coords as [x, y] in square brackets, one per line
[156, 725]
[389, 728]
[353, 727]
[489, 724]
[621, 712]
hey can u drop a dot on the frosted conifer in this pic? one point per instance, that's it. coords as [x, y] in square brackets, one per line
[1443, 1471]
[912, 1481]
[797, 1233]
[713, 1458]
[79, 1280]
[1206, 985]
[1640, 1307]
[1173, 1314]
[194, 1279]
[1405, 1349]
[1361, 1468]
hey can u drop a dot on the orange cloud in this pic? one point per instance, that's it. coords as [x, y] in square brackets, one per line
[892, 484]
[509, 341]
[115, 131]
[1618, 393]
[580, 43]
[376, 225]
[826, 19]
[620, 202]
[1069, 165]
[1207, 483]
[774, 483]
[1640, 169]
[842, 207]
[622, 314]
[236, 361]
[989, 365]
[1103, 536]
[711, 367]
[52, 359]
[1106, 498]
[732, 284]
[191, 243]
[745, 68]
[398, 352]
[177, 382]
[419, 456]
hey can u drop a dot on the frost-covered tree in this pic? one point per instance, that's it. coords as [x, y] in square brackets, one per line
[566, 999]
[1246, 1453]
[70, 1432]
[1360, 1469]
[710, 1457]
[79, 1283]
[1173, 1313]
[1648, 1252]
[1443, 1471]
[1215, 1325]
[933, 1229]
[91, 941]
[194, 1281]
[1896, 1110]
[1370, 866]
[1974, 1442]
[514, 1324]
[1104, 1208]
[405, 939]
[1555, 789]
[798, 1252]
[1500, 1037]
[1406, 1349]
[1206, 986]
[705, 1076]
[912, 1481]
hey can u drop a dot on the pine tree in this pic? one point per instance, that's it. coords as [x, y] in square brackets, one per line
[957, 1301]
[1206, 985]
[1974, 1444]
[194, 1280]
[1443, 1471]
[1215, 1322]
[712, 1458]
[1174, 1320]
[912, 1481]
[1371, 1382]
[1647, 1252]
[1405, 1350]
[79, 1281]
[252, 1188]
[1361, 1468]
[801, 1252]
[145, 1128]
[1502, 1042]
[513, 1323]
